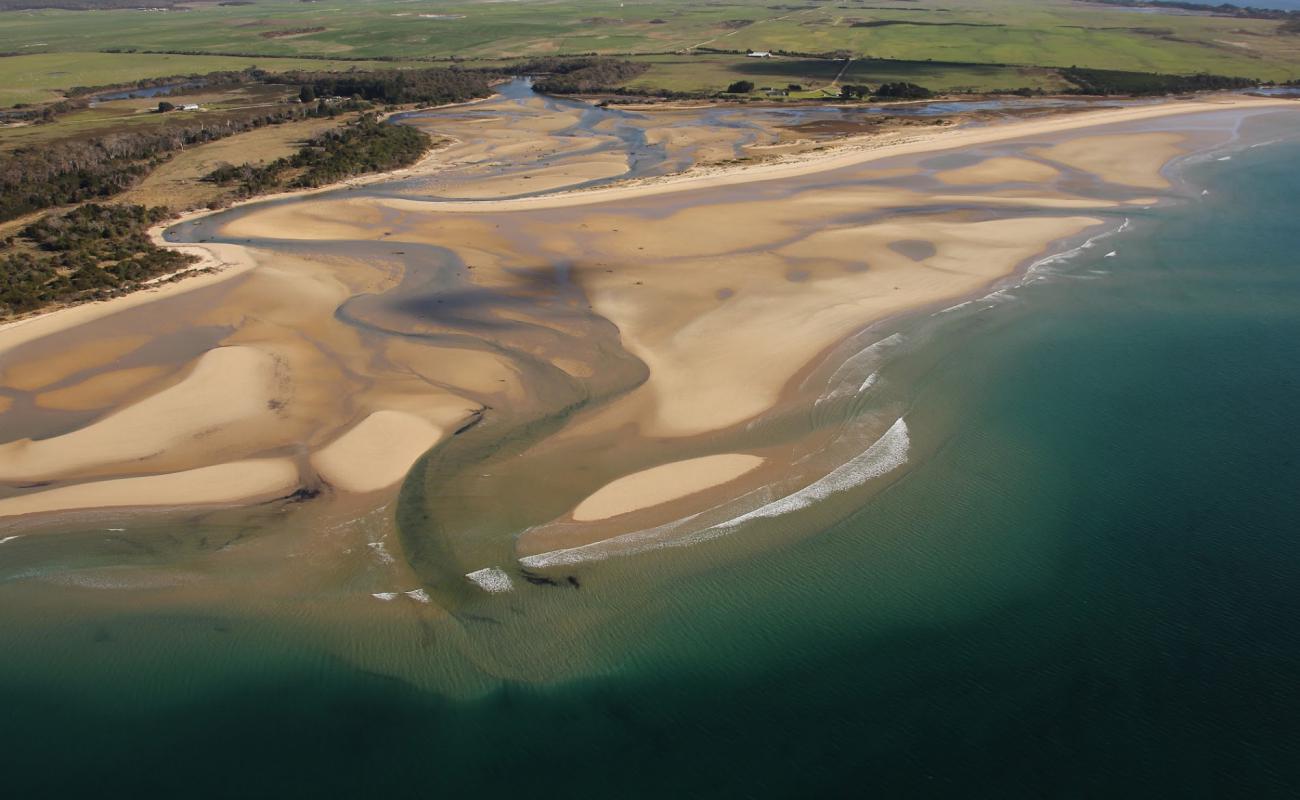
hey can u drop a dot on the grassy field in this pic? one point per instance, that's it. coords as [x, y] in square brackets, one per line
[60, 47]
[43, 77]
[178, 183]
[130, 114]
[1019, 32]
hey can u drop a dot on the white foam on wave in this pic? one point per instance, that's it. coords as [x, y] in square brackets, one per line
[418, 595]
[385, 596]
[885, 455]
[846, 380]
[1224, 158]
[381, 552]
[957, 307]
[11, 538]
[491, 579]
[1036, 269]
[1112, 254]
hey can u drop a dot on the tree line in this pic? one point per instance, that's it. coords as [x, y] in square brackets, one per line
[78, 170]
[581, 75]
[364, 146]
[84, 169]
[435, 86]
[1106, 81]
[90, 253]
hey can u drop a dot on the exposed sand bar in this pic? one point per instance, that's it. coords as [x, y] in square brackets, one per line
[377, 452]
[873, 150]
[657, 485]
[1130, 166]
[999, 170]
[235, 482]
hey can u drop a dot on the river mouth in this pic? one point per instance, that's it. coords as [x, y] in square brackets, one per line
[725, 372]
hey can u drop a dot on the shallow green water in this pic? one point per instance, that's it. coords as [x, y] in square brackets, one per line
[1084, 584]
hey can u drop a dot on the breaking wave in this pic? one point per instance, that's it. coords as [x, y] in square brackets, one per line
[848, 380]
[1039, 267]
[491, 579]
[885, 455]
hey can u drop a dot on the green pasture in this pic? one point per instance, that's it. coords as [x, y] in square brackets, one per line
[1022, 33]
[44, 76]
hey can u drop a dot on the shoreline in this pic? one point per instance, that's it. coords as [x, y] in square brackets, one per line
[849, 152]
[855, 151]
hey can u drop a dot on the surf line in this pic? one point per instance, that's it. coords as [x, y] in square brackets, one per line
[885, 455]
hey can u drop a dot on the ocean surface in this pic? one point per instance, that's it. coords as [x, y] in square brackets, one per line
[1083, 584]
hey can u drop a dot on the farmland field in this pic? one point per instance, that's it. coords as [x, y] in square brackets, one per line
[66, 44]
[43, 77]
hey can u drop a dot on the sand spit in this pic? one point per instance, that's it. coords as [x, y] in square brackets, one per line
[661, 484]
[716, 364]
[901, 143]
[235, 482]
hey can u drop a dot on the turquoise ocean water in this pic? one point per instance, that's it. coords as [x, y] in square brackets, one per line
[1085, 584]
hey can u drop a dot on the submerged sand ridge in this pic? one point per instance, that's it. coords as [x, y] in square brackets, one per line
[601, 363]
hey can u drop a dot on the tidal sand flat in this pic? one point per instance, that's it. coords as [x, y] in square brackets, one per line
[717, 296]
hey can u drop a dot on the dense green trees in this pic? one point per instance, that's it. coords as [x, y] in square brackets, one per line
[434, 86]
[91, 252]
[580, 75]
[741, 87]
[78, 170]
[902, 90]
[1104, 81]
[362, 147]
